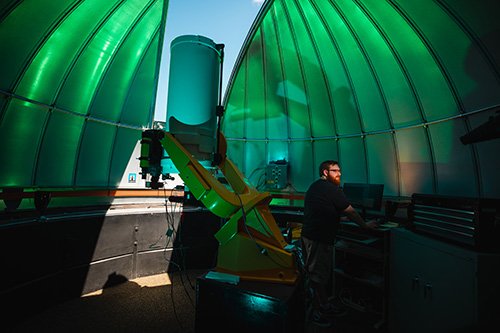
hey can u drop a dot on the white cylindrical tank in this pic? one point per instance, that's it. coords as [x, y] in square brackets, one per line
[193, 93]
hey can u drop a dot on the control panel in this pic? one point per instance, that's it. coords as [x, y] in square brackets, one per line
[277, 174]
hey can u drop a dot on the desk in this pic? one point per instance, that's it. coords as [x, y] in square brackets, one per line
[285, 214]
[362, 270]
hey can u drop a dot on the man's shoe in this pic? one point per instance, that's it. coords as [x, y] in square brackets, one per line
[320, 320]
[332, 310]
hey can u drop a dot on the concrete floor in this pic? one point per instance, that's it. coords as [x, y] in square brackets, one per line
[161, 303]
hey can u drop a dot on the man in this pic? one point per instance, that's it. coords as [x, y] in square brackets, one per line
[324, 203]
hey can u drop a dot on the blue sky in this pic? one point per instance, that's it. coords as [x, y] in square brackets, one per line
[224, 21]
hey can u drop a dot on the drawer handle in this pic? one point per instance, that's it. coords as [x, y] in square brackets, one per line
[428, 290]
[415, 283]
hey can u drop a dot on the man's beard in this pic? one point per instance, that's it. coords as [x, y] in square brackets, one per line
[336, 181]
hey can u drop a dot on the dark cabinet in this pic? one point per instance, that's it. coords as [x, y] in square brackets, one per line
[440, 287]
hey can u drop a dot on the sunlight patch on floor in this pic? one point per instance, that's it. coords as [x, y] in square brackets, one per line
[145, 281]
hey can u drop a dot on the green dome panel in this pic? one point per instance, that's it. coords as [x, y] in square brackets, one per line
[78, 81]
[388, 88]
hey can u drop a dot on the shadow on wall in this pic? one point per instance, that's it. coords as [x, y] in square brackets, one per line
[45, 261]
[481, 131]
[52, 258]
[482, 64]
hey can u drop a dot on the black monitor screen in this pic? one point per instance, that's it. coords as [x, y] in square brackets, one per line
[364, 196]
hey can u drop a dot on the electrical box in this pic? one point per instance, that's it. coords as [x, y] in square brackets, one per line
[277, 175]
[249, 306]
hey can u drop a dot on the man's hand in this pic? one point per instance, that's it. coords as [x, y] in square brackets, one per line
[344, 219]
[372, 224]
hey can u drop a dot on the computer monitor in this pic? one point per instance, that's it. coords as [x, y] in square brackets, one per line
[364, 196]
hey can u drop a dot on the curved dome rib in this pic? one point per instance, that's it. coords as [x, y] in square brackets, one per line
[386, 87]
[79, 80]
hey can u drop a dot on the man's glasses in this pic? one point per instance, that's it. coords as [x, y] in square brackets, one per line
[334, 170]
